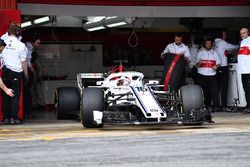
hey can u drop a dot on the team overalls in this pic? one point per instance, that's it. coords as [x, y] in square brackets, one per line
[207, 75]
[13, 55]
[243, 67]
[174, 68]
[221, 46]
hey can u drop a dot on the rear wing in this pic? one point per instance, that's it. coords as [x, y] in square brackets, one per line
[89, 79]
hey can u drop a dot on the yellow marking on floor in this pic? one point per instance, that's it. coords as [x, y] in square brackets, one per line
[22, 139]
[50, 132]
[48, 138]
[7, 130]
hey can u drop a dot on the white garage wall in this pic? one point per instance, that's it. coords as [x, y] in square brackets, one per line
[69, 59]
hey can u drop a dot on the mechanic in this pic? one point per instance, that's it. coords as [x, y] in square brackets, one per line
[14, 64]
[243, 66]
[207, 63]
[30, 45]
[221, 47]
[8, 91]
[194, 49]
[175, 54]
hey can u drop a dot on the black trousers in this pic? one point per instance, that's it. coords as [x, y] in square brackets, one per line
[245, 78]
[210, 89]
[222, 76]
[27, 94]
[10, 105]
[194, 74]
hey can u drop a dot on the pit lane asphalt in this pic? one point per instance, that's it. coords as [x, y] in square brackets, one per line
[48, 142]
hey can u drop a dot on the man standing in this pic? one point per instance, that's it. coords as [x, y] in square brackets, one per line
[30, 45]
[207, 63]
[244, 65]
[8, 91]
[14, 61]
[221, 47]
[174, 56]
[194, 49]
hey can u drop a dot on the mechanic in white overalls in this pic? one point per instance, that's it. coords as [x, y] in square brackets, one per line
[14, 64]
[194, 49]
[207, 63]
[8, 91]
[177, 48]
[221, 47]
[243, 66]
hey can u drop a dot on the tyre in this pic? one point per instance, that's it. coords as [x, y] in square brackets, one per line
[191, 98]
[67, 103]
[92, 99]
[176, 71]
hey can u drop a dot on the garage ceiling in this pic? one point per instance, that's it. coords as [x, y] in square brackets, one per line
[168, 18]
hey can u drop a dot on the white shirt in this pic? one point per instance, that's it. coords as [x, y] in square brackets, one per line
[243, 66]
[207, 60]
[177, 49]
[221, 46]
[14, 54]
[194, 49]
[29, 50]
[6, 36]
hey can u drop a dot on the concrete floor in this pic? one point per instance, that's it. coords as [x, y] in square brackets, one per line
[47, 142]
[46, 127]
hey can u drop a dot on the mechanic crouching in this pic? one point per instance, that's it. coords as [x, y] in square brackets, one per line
[207, 63]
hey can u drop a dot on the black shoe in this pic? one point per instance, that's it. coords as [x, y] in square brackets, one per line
[17, 122]
[246, 111]
[216, 109]
[227, 109]
[5, 122]
[12, 121]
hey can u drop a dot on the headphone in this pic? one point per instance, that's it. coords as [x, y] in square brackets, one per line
[15, 28]
[18, 30]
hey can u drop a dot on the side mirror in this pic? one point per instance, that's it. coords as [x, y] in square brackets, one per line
[153, 82]
[99, 83]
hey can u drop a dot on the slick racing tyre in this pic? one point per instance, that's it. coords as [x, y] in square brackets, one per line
[174, 72]
[191, 98]
[67, 103]
[92, 99]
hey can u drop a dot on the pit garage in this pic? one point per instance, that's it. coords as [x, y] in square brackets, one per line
[91, 38]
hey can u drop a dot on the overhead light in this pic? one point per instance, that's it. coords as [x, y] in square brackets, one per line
[94, 19]
[26, 24]
[41, 20]
[108, 22]
[96, 28]
[110, 17]
[116, 24]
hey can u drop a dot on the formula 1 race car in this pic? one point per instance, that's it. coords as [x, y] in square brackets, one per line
[124, 98]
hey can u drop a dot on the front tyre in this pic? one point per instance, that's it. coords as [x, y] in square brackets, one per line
[192, 100]
[67, 103]
[92, 99]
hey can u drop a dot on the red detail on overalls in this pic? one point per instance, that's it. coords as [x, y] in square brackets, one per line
[170, 71]
[244, 51]
[207, 63]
